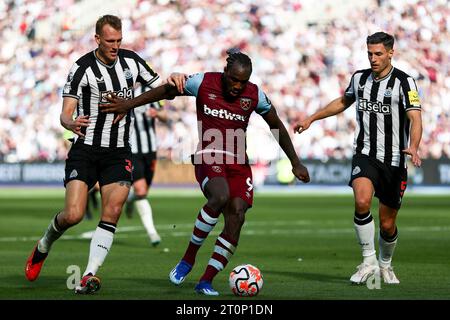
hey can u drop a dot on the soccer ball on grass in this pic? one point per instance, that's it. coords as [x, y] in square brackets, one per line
[246, 280]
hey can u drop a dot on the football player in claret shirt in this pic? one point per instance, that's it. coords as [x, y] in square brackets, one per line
[225, 101]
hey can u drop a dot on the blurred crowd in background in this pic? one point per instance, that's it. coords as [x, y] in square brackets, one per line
[301, 65]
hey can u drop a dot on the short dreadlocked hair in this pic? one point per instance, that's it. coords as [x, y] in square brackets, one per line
[235, 56]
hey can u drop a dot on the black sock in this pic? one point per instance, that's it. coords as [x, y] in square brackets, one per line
[38, 256]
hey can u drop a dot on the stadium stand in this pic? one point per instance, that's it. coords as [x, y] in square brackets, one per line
[302, 57]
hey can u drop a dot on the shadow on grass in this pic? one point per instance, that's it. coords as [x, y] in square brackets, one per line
[320, 277]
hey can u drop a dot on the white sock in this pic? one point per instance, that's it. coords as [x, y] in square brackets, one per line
[365, 232]
[386, 250]
[145, 211]
[51, 235]
[100, 245]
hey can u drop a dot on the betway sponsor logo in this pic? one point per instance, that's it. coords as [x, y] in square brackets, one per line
[223, 114]
[371, 106]
[125, 93]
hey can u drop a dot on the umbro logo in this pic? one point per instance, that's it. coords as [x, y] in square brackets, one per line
[216, 169]
[360, 87]
[73, 174]
[101, 79]
[356, 170]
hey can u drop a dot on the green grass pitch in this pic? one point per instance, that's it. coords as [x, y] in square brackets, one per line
[304, 245]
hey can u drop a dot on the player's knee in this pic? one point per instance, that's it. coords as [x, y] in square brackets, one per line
[238, 215]
[141, 192]
[72, 215]
[113, 210]
[219, 200]
[387, 226]
[363, 204]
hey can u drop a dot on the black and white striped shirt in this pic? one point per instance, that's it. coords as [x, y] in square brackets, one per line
[382, 130]
[143, 137]
[90, 80]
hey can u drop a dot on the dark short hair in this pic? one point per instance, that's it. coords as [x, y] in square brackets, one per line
[236, 57]
[381, 37]
[113, 21]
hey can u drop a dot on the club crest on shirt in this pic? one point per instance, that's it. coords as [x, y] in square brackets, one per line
[388, 93]
[127, 73]
[246, 103]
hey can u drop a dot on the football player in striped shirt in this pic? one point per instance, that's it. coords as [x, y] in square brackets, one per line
[388, 127]
[101, 151]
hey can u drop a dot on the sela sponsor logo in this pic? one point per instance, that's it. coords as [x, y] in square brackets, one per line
[373, 106]
[125, 93]
[223, 114]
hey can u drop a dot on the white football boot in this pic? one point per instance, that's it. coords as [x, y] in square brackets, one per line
[364, 271]
[388, 275]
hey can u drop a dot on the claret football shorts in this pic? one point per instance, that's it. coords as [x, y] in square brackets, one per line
[238, 176]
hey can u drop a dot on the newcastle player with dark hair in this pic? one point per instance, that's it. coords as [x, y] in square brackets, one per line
[388, 127]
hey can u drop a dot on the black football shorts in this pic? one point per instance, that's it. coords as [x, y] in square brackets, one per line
[144, 165]
[91, 164]
[389, 182]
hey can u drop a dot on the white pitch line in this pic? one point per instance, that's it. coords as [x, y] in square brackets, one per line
[122, 232]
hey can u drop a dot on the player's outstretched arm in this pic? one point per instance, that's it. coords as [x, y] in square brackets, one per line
[121, 106]
[277, 127]
[334, 107]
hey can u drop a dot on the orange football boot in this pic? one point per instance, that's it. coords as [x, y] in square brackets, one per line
[34, 264]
